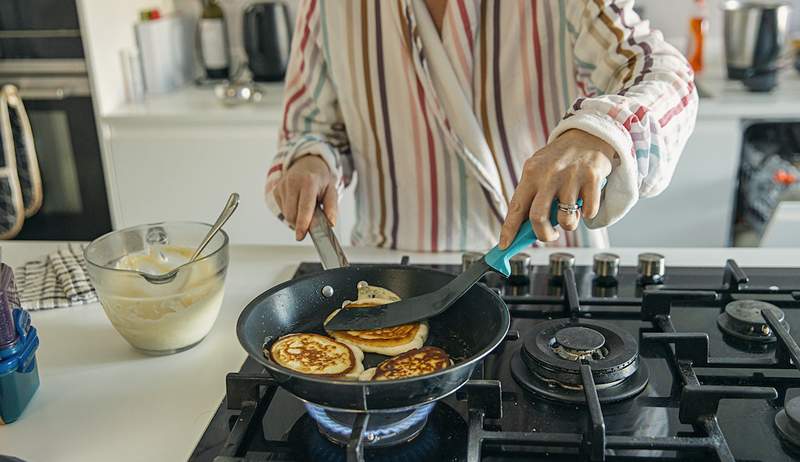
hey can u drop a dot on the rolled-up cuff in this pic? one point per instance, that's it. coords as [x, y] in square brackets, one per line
[621, 192]
[313, 145]
[307, 145]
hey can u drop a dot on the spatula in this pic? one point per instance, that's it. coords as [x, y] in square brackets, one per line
[426, 306]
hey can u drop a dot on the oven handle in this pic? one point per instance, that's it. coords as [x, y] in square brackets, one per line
[44, 93]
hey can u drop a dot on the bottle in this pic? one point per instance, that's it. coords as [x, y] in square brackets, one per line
[698, 26]
[213, 41]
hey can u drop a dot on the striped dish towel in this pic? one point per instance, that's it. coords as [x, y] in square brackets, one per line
[58, 280]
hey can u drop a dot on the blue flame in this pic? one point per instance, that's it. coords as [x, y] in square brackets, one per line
[321, 417]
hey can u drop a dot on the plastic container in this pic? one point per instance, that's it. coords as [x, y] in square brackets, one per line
[19, 373]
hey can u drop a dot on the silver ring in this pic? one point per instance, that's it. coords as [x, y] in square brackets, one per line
[569, 209]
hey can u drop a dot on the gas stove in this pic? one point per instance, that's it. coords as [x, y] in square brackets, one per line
[602, 363]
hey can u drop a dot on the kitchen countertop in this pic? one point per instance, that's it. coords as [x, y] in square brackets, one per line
[195, 105]
[102, 401]
[727, 99]
[199, 105]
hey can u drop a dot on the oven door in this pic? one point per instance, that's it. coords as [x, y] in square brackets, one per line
[75, 205]
[39, 29]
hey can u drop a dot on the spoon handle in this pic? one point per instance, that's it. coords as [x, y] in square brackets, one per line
[227, 211]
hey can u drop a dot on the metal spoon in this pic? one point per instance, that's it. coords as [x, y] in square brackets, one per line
[227, 211]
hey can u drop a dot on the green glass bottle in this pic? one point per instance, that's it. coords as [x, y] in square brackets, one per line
[214, 41]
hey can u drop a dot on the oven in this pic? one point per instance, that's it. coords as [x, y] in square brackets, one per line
[41, 53]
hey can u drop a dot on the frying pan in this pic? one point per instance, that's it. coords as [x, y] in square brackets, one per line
[468, 331]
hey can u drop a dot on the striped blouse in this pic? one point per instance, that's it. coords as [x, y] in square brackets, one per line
[436, 127]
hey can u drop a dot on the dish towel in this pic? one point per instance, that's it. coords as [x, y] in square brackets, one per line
[58, 280]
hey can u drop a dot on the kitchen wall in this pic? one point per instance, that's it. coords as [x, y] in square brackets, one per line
[233, 10]
[107, 28]
[672, 18]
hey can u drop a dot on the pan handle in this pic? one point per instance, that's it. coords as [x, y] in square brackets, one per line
[328, 248]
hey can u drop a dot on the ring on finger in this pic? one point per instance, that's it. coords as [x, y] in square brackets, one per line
[569, 209]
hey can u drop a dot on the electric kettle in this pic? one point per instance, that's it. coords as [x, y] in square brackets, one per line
[755, 38]
[267, 39]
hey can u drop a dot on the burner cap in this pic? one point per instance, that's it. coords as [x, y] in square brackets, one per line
[787, 422]
[742, 320]
[579, 338]
[553, 350]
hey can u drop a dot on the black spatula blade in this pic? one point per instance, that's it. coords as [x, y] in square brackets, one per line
[411, 309]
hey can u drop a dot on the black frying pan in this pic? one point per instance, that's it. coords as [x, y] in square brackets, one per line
[468, 331]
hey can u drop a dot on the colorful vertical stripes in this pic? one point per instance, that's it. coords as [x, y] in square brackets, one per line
[360, 84]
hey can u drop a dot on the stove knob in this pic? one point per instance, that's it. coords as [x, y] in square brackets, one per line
[651, 268]
[520, 269]
[468, 258]
[606, 268]
[560, 261]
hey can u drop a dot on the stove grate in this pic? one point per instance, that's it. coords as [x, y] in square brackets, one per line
[723, 378]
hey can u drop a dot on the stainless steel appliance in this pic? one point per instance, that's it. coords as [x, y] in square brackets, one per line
[755, 36]
[41, 53]
[627, 361]
[267, 38]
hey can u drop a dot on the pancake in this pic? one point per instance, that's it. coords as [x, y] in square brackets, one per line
[366, 291]
[316, 354]
[389, 341]
[413, 363]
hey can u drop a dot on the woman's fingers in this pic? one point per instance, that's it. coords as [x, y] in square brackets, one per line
[568, 196]
[305, 211]
[330, 203]
[540, 215]
[279, 200]
[591, 193]
[517, 210]
[289, 198]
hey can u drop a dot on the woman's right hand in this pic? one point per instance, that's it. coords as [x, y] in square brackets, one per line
[308, 181]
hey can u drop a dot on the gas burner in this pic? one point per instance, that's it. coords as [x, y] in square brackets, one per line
[742, 320]
[548, 363]
[383, 428]
[579, 342]
[443, 438]
[787, 421]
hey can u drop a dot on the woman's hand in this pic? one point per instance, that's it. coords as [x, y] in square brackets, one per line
[572, 166]
[307, 182]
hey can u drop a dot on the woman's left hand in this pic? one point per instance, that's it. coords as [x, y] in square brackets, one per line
[572, 166]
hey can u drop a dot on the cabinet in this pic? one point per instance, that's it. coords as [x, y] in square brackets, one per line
[186, 171]
[696, 209]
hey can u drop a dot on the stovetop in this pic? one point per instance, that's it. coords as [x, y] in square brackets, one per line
[678, 415]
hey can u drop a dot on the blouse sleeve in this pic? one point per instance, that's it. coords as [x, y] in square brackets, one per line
[312, 122]
[638, 95]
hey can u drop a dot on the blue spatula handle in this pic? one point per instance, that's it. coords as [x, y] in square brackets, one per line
[499, 258]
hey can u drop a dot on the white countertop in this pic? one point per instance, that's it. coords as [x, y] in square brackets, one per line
[102, 401]
[194, 105]
[730, 99]
[199, 105]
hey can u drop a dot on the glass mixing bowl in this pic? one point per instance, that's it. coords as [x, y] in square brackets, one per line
[163, 318]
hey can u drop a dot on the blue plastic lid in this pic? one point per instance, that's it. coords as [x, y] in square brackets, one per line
[20, 356]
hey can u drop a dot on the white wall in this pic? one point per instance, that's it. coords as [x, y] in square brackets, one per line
[107, 28]
[233, 10]
[672, 18]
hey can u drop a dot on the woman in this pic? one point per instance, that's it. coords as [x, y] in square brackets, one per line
[462, 118]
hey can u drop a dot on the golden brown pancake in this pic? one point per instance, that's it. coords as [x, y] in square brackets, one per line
[413, 363]
[417, 362]
[317, 355]
[389, 341]
[366, 291]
